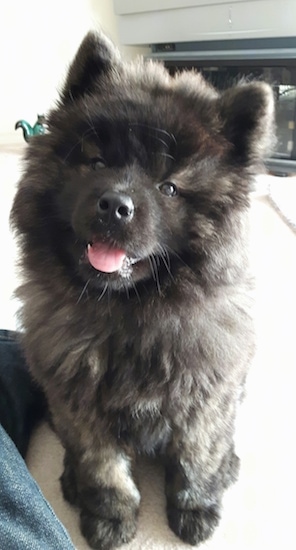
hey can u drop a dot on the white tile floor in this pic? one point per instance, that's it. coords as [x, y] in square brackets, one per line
[259, 511]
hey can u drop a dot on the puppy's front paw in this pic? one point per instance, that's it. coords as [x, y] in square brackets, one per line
[107, 533]
[193, 526]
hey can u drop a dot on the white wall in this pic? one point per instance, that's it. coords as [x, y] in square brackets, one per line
[37, 41]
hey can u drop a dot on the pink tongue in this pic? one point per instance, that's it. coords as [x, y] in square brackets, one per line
[106, 259]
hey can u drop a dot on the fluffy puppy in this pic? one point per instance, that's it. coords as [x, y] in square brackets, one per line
[132, 221]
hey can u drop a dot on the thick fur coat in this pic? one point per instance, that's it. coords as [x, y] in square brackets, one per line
[132, 221]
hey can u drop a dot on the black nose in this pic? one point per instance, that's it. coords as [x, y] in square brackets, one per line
[113, 206]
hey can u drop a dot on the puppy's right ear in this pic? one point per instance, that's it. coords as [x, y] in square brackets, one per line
[96, 55]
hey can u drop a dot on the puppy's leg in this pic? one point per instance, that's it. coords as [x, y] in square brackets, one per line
[98, 478]
[69, 482]
[200, 465]
[97, 469]
[108, 498]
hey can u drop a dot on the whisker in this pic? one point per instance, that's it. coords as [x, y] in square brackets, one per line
[169, 134]
[70, 93]
[126, 290]
[153, 264]
[106, 287]
[136, 291]
[166, 254]
[108, 296]
[167, 155]
[166, 260]
[174, 253]
[89, 118]
[83, 291]
[87, 132]
[159, 140]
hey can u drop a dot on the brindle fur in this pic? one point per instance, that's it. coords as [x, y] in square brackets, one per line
[153, 360]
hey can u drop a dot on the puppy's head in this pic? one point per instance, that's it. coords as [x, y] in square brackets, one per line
[139, 170]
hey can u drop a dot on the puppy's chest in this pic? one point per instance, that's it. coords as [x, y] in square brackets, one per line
[137, 412]
[138, 365]
[134, 393]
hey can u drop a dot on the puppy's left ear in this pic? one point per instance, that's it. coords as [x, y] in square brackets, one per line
[247, 114]
[96, 55]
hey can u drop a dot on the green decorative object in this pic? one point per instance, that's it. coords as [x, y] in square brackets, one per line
[29, 131]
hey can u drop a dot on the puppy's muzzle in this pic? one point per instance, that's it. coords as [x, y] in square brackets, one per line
[115, 207]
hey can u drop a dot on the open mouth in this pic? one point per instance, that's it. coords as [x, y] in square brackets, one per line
[108, 259]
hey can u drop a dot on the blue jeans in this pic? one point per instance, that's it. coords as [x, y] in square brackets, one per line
[27, 521]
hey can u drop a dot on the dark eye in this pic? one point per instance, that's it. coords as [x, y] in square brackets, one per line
[97, 163]
[168, 188]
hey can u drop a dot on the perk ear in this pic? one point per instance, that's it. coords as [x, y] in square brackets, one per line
[96, 55]
[248, 121]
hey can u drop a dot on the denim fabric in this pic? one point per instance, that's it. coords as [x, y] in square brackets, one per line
[27, 522]
[21, 401]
